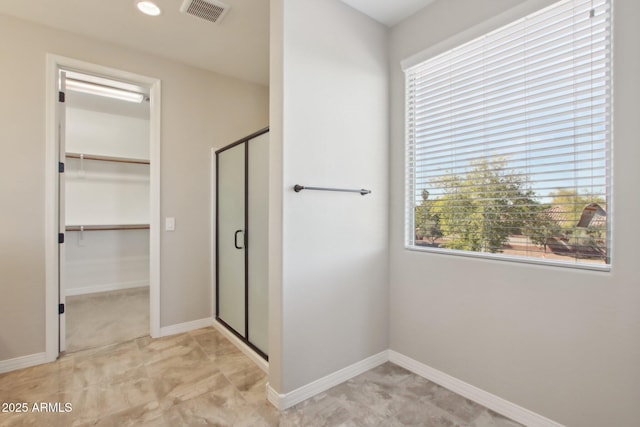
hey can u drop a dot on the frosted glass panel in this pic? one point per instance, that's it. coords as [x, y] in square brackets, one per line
[231, 228]
[258, 241]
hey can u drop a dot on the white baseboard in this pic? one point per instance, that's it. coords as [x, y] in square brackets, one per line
[484, 398]
[22, 362]
[180, 328]
[106, 288]
[255, 357]
[287, 400]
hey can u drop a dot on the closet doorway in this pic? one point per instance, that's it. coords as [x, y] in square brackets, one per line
[107, 147]
[105, 193]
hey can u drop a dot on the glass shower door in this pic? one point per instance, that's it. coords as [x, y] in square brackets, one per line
[231, 244]
[258, 208]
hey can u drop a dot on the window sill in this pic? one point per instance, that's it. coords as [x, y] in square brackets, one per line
[511, 258]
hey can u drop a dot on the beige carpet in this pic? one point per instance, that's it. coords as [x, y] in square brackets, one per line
[96, 320]
[200, 379]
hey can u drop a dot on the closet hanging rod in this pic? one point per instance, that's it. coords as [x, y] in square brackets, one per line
[298, 188]
[107, 158]
[107, 227]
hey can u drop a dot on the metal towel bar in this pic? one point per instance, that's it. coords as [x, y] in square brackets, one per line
[298, 188]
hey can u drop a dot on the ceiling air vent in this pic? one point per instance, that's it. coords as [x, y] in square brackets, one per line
[211, 10]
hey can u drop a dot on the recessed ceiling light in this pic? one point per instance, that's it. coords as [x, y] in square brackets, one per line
[148, 8]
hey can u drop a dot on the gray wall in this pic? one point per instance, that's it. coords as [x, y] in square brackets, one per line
[200, 110]
[329, 105]
[561, 342]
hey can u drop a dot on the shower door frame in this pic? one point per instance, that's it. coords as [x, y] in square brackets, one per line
[244, 337]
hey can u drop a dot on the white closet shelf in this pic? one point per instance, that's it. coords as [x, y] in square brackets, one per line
[107, 158]
[106, 227]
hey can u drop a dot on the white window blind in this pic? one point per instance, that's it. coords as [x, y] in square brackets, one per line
[508, 141]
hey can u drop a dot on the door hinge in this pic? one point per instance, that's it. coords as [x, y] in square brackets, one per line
[60, 308]
[60, 237]
[60, 167]
[60, 96]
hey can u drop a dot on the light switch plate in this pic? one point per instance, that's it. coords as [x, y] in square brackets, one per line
[170, 224]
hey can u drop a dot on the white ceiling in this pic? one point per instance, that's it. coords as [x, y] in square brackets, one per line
[388, 12]
[238, 46]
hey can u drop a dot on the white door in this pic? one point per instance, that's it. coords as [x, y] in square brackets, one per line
[231, 235]
[61, 119]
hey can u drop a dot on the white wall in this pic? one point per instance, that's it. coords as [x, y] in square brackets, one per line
[99, 193]
[561, 342]
[97, 132]
[200, 110]
[106, 193]
[329, 106]
[98, 261]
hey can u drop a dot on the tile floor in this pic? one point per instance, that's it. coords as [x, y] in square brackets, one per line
[119, 316]
[200, 378]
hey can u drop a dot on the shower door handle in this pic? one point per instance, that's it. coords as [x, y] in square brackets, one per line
[235, 240]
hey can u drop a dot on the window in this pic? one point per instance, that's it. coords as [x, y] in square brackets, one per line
[508, 141]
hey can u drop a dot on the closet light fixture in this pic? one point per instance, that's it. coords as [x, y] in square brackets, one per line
[109, 92]
[148, 8]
